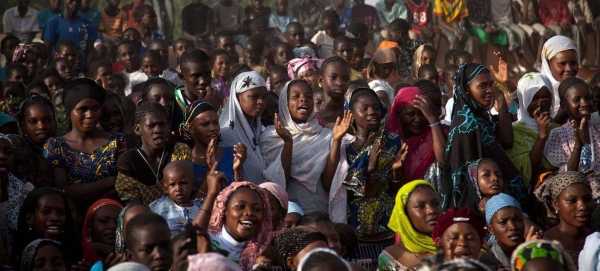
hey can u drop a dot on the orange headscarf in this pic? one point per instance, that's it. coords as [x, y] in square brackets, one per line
[90, 213]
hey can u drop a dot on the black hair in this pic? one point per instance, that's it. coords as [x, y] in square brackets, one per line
[340, 39]
[332, 15]
[93, 68]
[359, 92]
[127, 42]
[314, 218]
[139, 12]
[140, 221]
[7, 39]
[69, 238]
[175, 116]
[357, 28]
[15, 67]
[193, 56]
[144, 108]
[399, 24]
[333, 59]
[222, 34]
[235, 70]
[449, 56]
[179, 40]
[568, 83]
[153, 54]
[129, 29]
[37, 84]
[595, 80]
[323, 261]
[294, 24]
[62, 44]
[278, 69]
[461, 53]
[257, 41]
[425, 67]
[427, 86]
[355, 42]
[449, 70]
[348, 238]
[191, 112]
[155, 41]
[219, 52]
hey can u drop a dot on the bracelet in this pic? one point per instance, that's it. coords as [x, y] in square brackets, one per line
[503, 112]
[208, 212]
[435, 124]
[239, 178]
[513, 95]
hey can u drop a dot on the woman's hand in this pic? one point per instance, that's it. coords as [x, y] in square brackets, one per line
[581, 131]
[281, 130]
[211, 153]
[400, 157]
[342, 125]
[542, 120]
[373, 154]
[239, 155]
[427, 108]
[501, 75]
[215, 180]
[534, 235]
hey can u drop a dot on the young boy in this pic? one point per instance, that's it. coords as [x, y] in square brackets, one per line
[180, 46]
[230, 16]
[226, 41]
[147, 25]
[451, 16]
[253, 55]
[345, 14]
[279, 21]
[358, 54]
[89, 13]
[196, 77]
[149, 242]
[7, 49]
[113, 21]
[294, 34]
[21, 21]
[177, 207]
[16, 73]
[131, 61]
[54, 9]
[193, 29]
[167, 73]
[342, 47]
[324, 38]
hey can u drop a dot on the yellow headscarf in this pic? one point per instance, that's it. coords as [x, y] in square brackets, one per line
[413, 240]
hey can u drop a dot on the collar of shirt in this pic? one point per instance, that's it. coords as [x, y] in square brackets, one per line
[15, 12]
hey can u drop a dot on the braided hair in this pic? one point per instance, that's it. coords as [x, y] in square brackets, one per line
[568, 83]
[144, 109]
[93, 68]
[333, 59]
[427, 86]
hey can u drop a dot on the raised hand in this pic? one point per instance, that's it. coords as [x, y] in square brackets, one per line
[239, 155]
[501, 74]
[542, 120]
[283, 132]
[534, 235]
[342, 125]
[400, 157]
[427, 108]
[215, 180]
[211, 153]
[373, 154]
[581, 131]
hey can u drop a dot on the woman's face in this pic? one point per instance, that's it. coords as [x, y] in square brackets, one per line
[460, 241]
[205, 127]
[112, 119]
[6, 157]
[543, 93]
[482, 90]
[578, 102]
[38, 123]
[253, 102]
[103, 225]
[335, 79]
[244, 214]
[277, 212]
[49, 258]
[423, 209]
[428, 57]
[489, 178]
[86, 115]
[563, 65]
[154, 130]
[508, 226]
[367, 112]
[412, 121]
[49, 217]
[300, 102]
[311, 77]
[575, 205]
[383, 70]
[31, 62]
[162, 94]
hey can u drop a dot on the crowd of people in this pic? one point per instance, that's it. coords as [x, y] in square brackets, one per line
[279, 141]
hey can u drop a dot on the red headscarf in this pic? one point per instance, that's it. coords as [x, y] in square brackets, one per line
[90, 213]
[457, 215]
[420, 148]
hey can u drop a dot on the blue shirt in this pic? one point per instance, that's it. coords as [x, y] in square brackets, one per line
[45, 15]
[3, 74]
[175, 215]
[93, 15]
[225, 165]
[80, 31]
[345, 17]
[155, 36]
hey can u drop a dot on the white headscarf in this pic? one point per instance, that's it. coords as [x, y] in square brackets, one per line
[528, 86]
[589, 257]
[129, 266]
[552, 47]
[380, 85]
[235, 128]
[306, 258]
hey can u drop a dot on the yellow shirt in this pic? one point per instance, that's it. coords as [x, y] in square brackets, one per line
[451, 12]
[355, 75]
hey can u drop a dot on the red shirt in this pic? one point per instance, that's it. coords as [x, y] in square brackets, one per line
[553, 12]
[418, 14]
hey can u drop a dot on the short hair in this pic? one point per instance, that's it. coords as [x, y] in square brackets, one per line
[15, 67]
[568, 83]
[340, 39]
[330, 14]
[62, 44]
[141, 10]
[460, 53]
[7, 39]
[93, 68]
[278, 69]
[257, 41]
[449, 70]
[356, 42]
[399, 24]
[153, 54]
[126, 42]
[425, 67]
[194, 55]
[222, 34]
[140, 221]
[219, 52]
[180, 40]
[294, 24]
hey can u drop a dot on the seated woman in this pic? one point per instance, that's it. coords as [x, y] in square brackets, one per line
[201, 125]
[100, 224]
[240, 121]
[414, 216]
[541, 255]
[300, 155]
[568, 196]
[84, 160]
[50, 253]
[530, 132]
[474, 134]
[381, 68]
[295, 243]
[575, 145]
[37, 121]
[375, 160]
[413, 117]
[140, 169]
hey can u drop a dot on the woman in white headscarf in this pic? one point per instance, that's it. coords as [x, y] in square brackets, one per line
[531, 131]
[240, 121]
[300, 155]
[560, 60]
[589, 258]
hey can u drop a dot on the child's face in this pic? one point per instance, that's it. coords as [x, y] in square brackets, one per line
[48, 219]
[311, 77]
[428, 57]
[151, 67]
[64, 69]
[282, 6]
[489, 178]
[154, 130]
[383, 70]
[319, 100]
[331, 27]
[162, 94]
[449, 80]
[253, 102]
[103, 226]
[291, 220]
[152, 247]
[179, 184]
[221, 67]
[295, 36]
[227, 43]
[335, 80]
[205, 127]
[252, 55]
[344, 50]
[300, 102]
[196, 77]
[31, 62]
[17, 76]
[244, 214]
[105, 74]
[180, 48]
[358, 55]
[333, 238]
[257, 4]
[9, 50]
[129, 57]
[149, 20]
[277, 78]
[283, 54]
[53, 83]
[112, 119]
[38, 123]
[163, 50]
[272, 107]
[49, 257]
[69, 53]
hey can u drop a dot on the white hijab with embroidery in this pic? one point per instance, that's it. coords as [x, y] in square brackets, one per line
[528, 86]
[552, 47]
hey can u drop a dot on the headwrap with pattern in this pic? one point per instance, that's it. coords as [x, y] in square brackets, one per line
[551, 188]
[29, 252]
[90, 213]
[458, 215]
[21, 52]
[497, 202]
[302, 64]
[294, 240]
[537, 249]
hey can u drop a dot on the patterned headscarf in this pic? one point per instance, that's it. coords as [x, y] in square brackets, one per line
[120, 240]
[589, 257]
[21, 51]
[457, 215]
[497, 202]
[294, 240]
[552, 47]
[90, 213]
[281, 195]
[302, 64]
[211, 261]
[537, 249]
[191, 112]
[473, 171]
[28, 255]
[528, 86]
[255, 246]
[413, 240]
[550, 189]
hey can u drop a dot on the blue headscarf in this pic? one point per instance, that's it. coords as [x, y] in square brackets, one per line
[498, 202]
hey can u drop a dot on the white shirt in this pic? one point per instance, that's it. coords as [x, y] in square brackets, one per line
[172, 76]
[224, 241]
[20, 26]
[133, 79]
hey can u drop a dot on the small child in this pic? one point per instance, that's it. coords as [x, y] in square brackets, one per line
[429, 72]
[194, 29]
[342, 47]
[358, 55]
[113, 21]
[448, 83]
[277, 76]
[166, 73]
[16, 73]
[180, 46]
[294, 214]
[225, 40]
[319, 98]
[7, 49]
[388, 11]
[63, 68]
[152, 64]
[177, 207]
[221, 68]
[278, 21]
[294, 34]
[149, 230]
[253, 55]
[324, 38]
